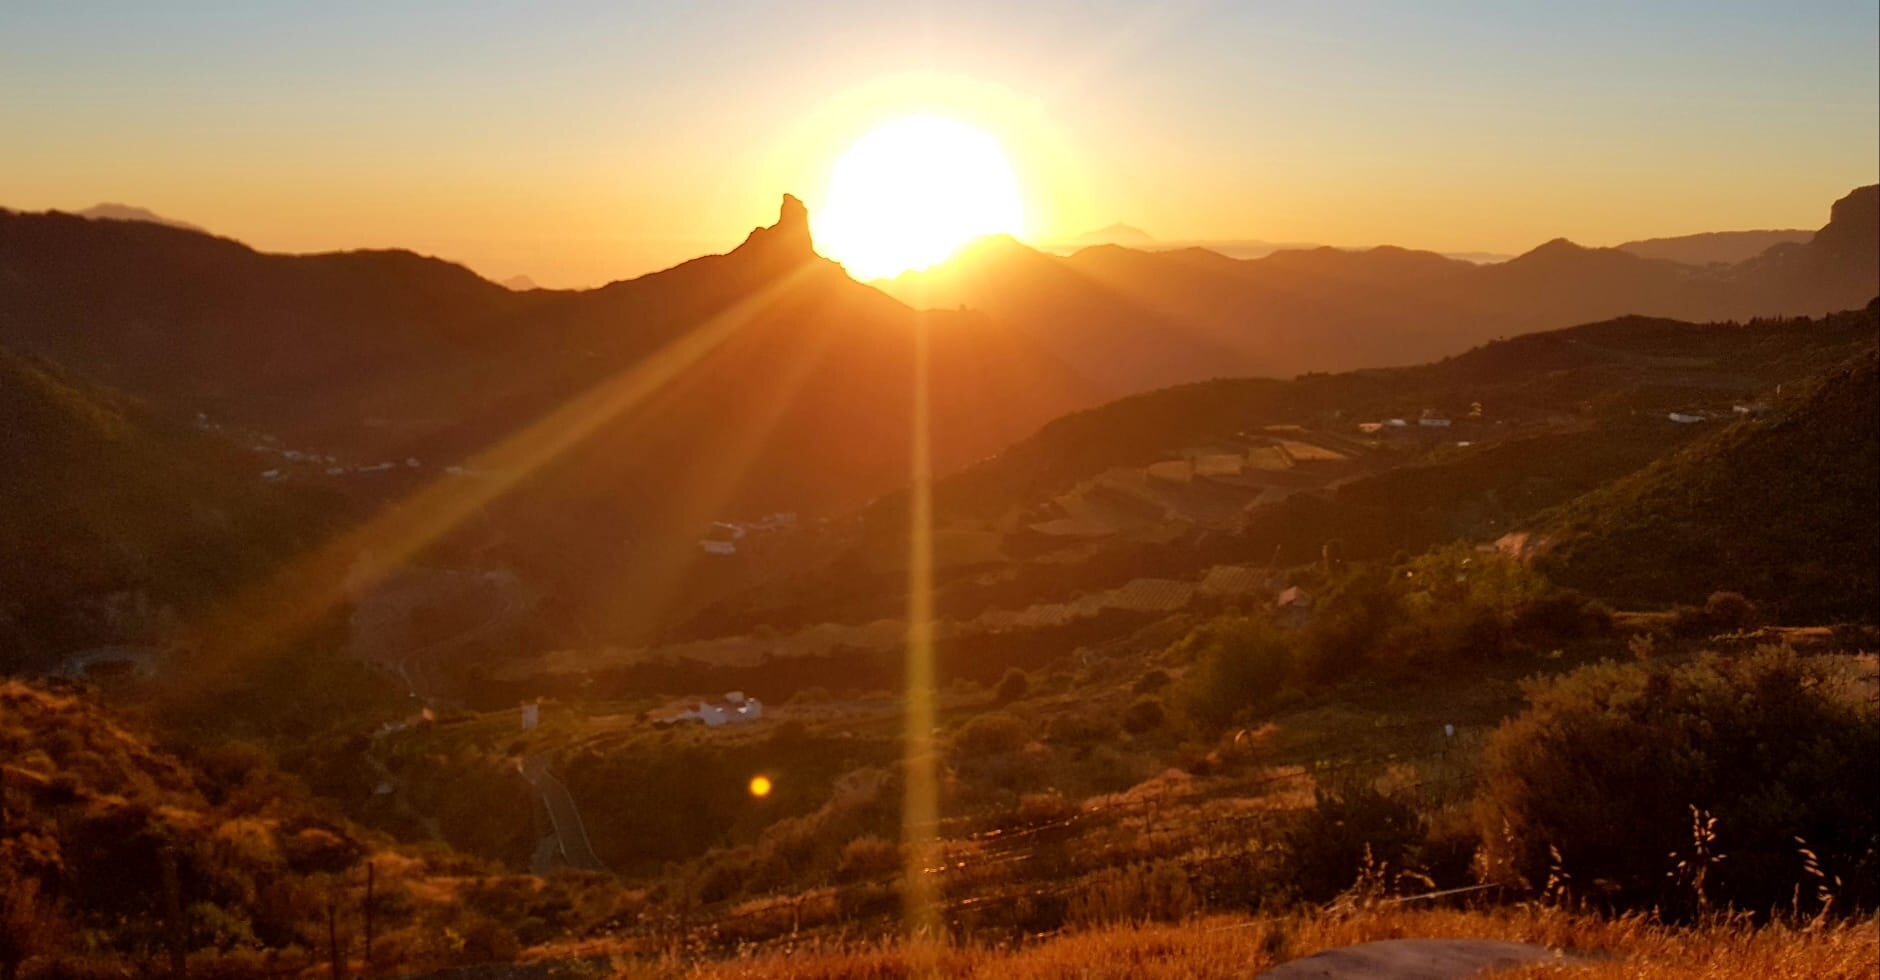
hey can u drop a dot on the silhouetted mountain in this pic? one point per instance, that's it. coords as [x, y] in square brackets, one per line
[1778, 506]
[1331, 309]
[126, 212]
[1727, 247]
[729, 386]
[521, 284]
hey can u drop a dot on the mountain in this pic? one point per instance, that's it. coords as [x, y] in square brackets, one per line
[126, 212]
[521, 284]
[1203, 315]
[117, 525]
[596, 434]
[1777, 506]
[1116, 234]
[1726, 247]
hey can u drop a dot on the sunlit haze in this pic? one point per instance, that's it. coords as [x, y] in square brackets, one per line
[609, 140]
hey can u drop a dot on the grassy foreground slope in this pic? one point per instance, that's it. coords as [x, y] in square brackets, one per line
[1778, 506]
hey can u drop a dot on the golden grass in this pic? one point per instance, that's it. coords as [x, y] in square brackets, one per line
[1629, 946]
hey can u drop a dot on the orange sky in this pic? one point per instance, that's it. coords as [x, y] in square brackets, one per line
[593, 142]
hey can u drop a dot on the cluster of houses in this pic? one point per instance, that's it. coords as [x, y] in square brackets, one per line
[723, 536]
[1430, 419]
[732, 709]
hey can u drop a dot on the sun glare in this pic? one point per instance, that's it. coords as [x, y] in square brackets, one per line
[911, 192]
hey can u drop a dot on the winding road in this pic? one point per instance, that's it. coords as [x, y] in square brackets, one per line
[571, 834]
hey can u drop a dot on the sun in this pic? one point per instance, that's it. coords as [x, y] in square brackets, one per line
[911, 192]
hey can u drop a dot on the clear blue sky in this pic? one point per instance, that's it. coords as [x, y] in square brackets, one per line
[582, 142]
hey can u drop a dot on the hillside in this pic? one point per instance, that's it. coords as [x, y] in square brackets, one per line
[118, 525]
[1778, 506]
[1149, 493]
[1204, 315]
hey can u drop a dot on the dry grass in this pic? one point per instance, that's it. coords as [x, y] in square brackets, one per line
[1629, 946]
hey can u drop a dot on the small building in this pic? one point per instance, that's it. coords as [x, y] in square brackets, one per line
[1433, 419]
[1370, 428]
[732, 709]
[713, 546]
[531, 715]
[1683, 419]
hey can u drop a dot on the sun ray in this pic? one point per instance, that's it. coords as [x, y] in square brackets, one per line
[921, 806]
[300, 594]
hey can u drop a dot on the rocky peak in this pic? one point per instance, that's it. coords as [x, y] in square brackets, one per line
[790, 235]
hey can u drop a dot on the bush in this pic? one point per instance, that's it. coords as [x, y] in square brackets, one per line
[1609, 762]
[1565, 613]
[1329, 845]
[1144, 715]
[990, 734]
[1013, 686]
[1150, 682]
[868, 857]
[1238, 664]
[1729, 611]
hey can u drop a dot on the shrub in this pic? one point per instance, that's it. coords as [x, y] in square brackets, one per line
[990, 734]
[1138, 893]
[1238, 664]
[1150, 682]
[1564, 613]
[1144, 715]
[1013, 686]
[1729, 611]
[1608, 763]
[1346, 827]
[868, 857]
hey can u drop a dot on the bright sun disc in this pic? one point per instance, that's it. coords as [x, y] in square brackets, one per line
[760, 786]
[911, 192]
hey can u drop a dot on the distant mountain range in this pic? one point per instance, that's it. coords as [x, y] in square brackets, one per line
[1133, 320]
[1727, 247]
[618, 423]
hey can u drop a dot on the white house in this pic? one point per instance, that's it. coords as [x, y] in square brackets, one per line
[1684, 419]
[531, 715]
[733, 709]
[713, 546]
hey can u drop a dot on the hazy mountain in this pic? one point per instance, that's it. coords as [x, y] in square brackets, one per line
[1727, 247]
[521, 284]
[126, 212]
[1205, 315]
[1116, 234]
